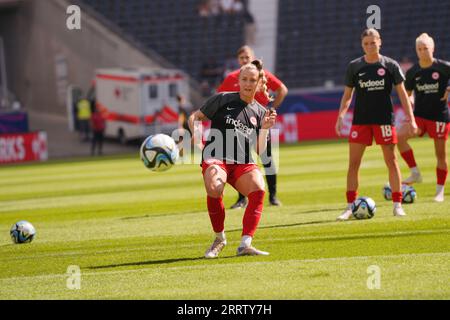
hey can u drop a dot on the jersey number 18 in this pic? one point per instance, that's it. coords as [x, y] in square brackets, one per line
[386, 131]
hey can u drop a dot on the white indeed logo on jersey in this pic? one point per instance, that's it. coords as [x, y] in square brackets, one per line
[372, 84]
[428, 87]
[239, 125]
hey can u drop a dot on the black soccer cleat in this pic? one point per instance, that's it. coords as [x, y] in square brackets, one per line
[274, 201]
[241, 203]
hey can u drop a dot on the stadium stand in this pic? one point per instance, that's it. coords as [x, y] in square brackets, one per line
[317, 39]
[175, 30]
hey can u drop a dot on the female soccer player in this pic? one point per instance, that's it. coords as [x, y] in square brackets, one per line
[238, 123]
[429, 80]
[245, 54]
[372, 77]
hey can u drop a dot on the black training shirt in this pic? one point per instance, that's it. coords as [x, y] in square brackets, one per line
[373, 84]
[429, 86]
[235, 127]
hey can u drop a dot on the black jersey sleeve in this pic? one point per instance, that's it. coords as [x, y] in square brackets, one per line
[396, 72]
[409, 82]
[446, 67]
[349, 75]
[211, 105]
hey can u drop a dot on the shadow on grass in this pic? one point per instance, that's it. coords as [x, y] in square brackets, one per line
[337, 210]
[146, 263]
[289, 225]
[155, 262]
[368, 237]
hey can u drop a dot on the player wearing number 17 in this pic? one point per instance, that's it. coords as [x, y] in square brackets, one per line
[372, 77]
[429, 80]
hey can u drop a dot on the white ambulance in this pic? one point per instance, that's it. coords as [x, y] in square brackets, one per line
[139, 102]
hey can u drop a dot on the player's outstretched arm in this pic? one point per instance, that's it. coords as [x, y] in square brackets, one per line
[345, 104]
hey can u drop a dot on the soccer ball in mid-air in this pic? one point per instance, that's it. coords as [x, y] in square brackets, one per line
[408, 194]
[22, 232]
[159, 152]
[363, 208]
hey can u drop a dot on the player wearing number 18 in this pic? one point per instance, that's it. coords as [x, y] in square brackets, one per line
[372, 77]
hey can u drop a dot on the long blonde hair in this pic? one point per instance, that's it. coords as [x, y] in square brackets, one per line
[258, 65]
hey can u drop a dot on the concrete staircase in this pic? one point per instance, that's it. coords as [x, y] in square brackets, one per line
[265, 13]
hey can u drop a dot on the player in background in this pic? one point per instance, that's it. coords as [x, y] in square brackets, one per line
[245, 54]
[429, 80]
[372, 77]
[235, 116]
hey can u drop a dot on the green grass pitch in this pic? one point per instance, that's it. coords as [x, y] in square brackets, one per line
[140, 235]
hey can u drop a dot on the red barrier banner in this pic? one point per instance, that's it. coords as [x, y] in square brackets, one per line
[295, 127]
[23, 147]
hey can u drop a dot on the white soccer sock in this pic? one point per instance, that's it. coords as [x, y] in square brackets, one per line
[349, 206]
[221, 235]
[397, 204]
[415, 170]
[439, 193]
[246, 242]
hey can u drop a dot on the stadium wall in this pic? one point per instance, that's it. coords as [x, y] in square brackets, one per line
[44, 56]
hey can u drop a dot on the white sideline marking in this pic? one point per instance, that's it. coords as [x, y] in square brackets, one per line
[406, 255]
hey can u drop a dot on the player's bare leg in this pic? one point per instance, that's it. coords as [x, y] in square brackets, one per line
[356, 152]
[395, 179]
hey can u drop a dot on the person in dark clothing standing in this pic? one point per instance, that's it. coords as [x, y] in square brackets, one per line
[98, 125]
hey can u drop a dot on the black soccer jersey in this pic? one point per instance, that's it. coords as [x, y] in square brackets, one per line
[429, 85]
[373, 85]
[235, 127]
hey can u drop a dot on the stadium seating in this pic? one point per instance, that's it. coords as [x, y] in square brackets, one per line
[174, 30]
[317, 39]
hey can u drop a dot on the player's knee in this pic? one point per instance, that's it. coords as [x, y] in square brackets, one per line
[214, 190]
[391, 161]
[354, 164]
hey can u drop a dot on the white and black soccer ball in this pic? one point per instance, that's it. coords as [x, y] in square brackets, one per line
[363, 208]
[22, 232]
[387, 191]
[159, 152]
[409, 194]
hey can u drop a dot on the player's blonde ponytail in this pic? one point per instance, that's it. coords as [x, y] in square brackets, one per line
[262, 75]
